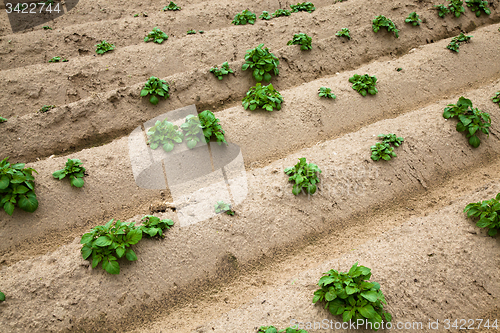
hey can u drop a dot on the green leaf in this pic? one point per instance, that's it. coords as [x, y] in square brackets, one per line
[372, 296]
[103, 241]
[76, 182]
[86, 252]
[346, 316]
[130, 255]
[28, 202]
[2, 296]
[9, 208]
[4, 182]
[86, 238]
[474, 141]
[134, 236]
[120, 251]
[111, 266]
[367, 311]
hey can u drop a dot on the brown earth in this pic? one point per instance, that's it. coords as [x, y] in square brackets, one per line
[215, 275]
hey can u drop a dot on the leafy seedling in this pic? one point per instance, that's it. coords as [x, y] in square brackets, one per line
[381, 21]
[157, 36]
[201, 31]
[224, 70]
[442, 10]
[211, 126]
[264, 97]
[470, 120]
[57, 59]
[303, 7]
[272, 329]
[192, 130]
[457, 41]
[265, 16]
[164, 134]
[152, 226]
[104, 47]
[399, 69]
[477, 6]
[326, 92]
[155, 87]
[382, 151]
[46, 108]
[352, 296]
[301, 39]
[262, 63]
[136, 15]
[495, 99]
[2, 296]
[244, 17]
[17, 187]
[344, 32]
[46, 27]
[364, 84]
[282, 12]
[222, 207]
[456, 7]
[171, 6]
[191, 32]
[488, 212]
[74, 171]
[305, 176]
[413, 18]
[3, 120]
[391, 139]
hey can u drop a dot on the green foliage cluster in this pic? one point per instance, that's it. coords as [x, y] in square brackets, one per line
[352, 296]
[2, 296]
[470, 120]
[3, 120]
[244, 17]
[224, 70]
[222, 207]
[157, 36]
[301, 39]
[495, 99]
[192, 130]
[282, 12]
[261, 62]
[326, 92]
[57, 59]
[265, 15]
[74, 170]
[305, 176]
[211, 126]
[104, 47]
[477, 6]
[171, 6]
[303, 7]
[191, 32]
[17, 187]
[456, 7]
[488, 212]
[442, 10]
[272, 329]
[344, 32]
[155, 87]
[382, 21]
[457, 41]
[46, 27]
[46, 108]
[364, 84]
[112, 241]
[383, 150]
[164, 133]
[413, 18]
[264, 97]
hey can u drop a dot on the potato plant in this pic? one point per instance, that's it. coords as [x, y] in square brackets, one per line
[46, 108]
[352, 296]
[2, 296]
[304, 175]
[442, 10]
[456, 7]
[3, 120]
[265, 16]
[57, 59]
[364, 84]
[191, 32]
[164, 134]
[495, 99]
[224, 70]
[262, 63]
[383, 150]
[74, 170]
[244, 17]
[171, 6]
[282, 12]
[382, 22]
[153, 226]
[210, 125]
[155, 87]
[326, 92]
[304, 7]
[17, 187]
[264, 97]
[272, 329]
[157, 36]
[344, 32]
[488, 212]
[46, 27]
[192, 131]
[222, 207]
[457, 41]
[413, 18]
[477, 6]
[470, 120]
[301, 39]
[104, 47]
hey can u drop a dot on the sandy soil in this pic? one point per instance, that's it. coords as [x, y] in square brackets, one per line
[401, 218]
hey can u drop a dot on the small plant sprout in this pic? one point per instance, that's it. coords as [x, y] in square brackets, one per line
[496, 98]
[303, 7]
[344, 32]
[155, 87]
[104, 47]
[74, 171]
[153, 226]
[264, 97]
[272, 329]
[282, 12]
[262, 63]
[211, 126]
[265, 16]
[381, 21]
[399, 69]
[171, 6]
[164, 134]
[303, 40]
[192, 130]
[457, 41]
[2, 119]
[383, 150]
[488, 212]
[470, 120]
[477, 6]
[352, 296]
[57, 59]
[222, 207]
[442, 10]
[46, 108]
[46, 27]
[391, 139]
[2, 296]
[456, 7]
[244, 17]
[304, 175]
[413, 18]
[157, 36]
[326, 92]
[201, 31]
[17, 187]
[364, 84]
[191, 32]
[224, 70]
